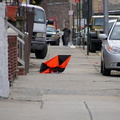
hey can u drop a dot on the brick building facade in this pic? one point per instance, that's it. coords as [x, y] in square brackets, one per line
[112, 5]
[12, 55]
[97, 6]
[59, 10]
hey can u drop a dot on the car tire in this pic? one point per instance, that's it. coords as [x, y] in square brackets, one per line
[101, 67]
[55, 43]
[41, 54]
[105, 72]
[92, 48]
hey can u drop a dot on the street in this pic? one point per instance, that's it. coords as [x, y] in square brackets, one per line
[79, 93]
[88, 87]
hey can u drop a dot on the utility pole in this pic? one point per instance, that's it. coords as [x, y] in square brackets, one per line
[88, 21]
[71, 14]
[79, 29]
[105, 16]
[78, 10]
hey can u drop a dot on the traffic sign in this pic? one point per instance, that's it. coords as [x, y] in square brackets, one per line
[70, 12]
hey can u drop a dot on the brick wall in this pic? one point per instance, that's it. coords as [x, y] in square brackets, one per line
[12, 57]
[58, 9]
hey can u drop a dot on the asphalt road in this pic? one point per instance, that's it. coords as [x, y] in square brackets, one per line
[79, 93]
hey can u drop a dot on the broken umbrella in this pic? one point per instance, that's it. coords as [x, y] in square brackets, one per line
[56, 64]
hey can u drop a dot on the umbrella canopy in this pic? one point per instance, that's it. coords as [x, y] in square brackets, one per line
[56, 64]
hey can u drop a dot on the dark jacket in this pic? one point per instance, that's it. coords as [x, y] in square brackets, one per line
[66, 31]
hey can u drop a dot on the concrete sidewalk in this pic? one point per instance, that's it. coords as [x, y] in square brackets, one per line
[59, 96]
[62, 107]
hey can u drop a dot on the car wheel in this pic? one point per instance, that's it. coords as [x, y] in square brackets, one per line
[57, 42]
[105, 72]
[41, 54]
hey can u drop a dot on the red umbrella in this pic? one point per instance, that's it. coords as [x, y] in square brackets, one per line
[56, 64]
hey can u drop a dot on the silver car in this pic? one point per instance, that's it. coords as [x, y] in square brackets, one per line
[110, 53]
[53, 37]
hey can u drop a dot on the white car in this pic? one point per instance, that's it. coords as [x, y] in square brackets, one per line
[110, 53]
[111, 22]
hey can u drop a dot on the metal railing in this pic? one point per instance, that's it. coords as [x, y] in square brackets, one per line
[22, 47]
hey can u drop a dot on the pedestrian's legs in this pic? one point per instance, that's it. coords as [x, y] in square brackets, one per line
[66, 40]
[63, 39]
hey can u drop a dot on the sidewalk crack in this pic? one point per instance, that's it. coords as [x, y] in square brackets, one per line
[90, 114]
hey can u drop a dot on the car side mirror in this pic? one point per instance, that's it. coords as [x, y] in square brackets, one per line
[102, 36]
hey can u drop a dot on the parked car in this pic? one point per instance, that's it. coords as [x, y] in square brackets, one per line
[96, 28]
[110, 52]
[38, 43]
[53, 38]
[110, 23]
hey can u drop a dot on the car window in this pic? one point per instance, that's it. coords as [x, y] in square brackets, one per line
[39, 16]
[51, 29]
[98, 22]
[110, 25]
[115, 35]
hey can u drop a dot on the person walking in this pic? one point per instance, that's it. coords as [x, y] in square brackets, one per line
[66, 35]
